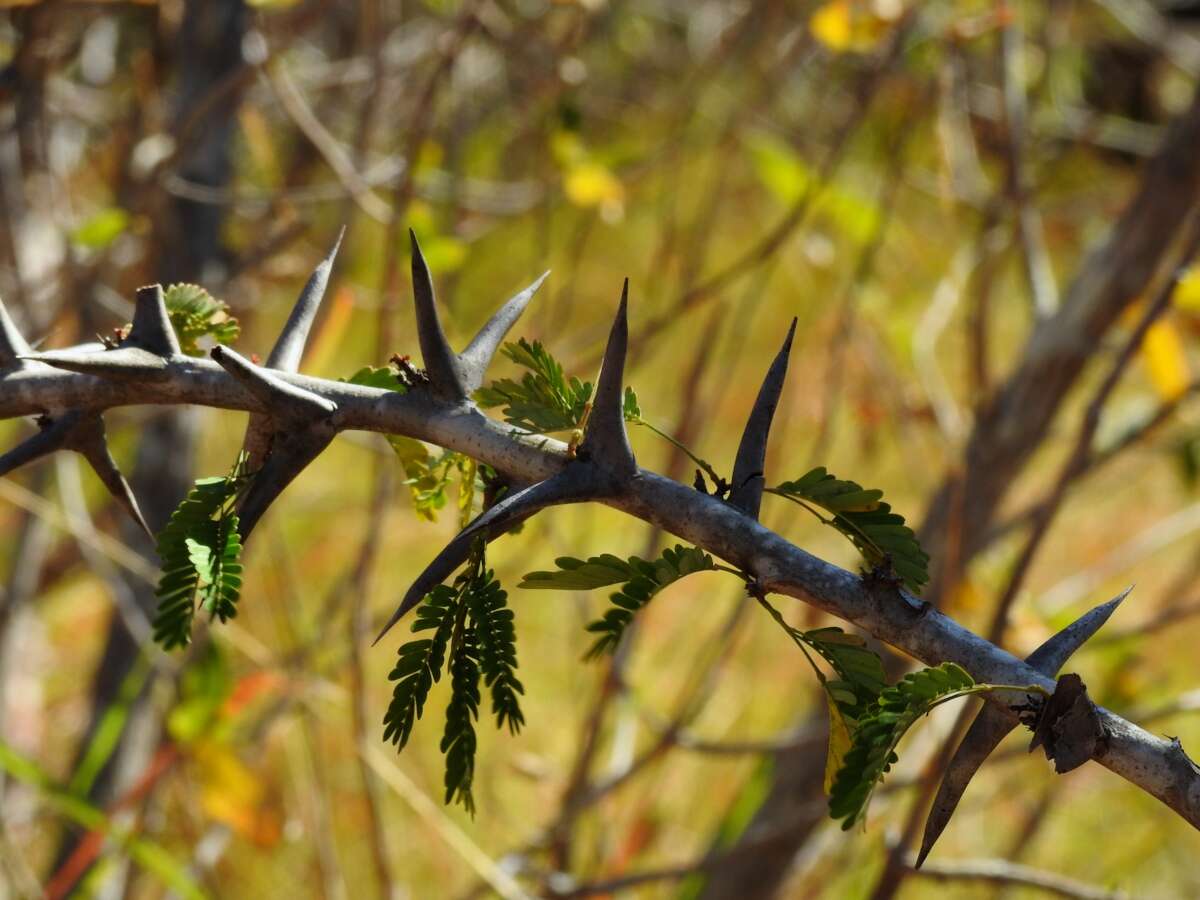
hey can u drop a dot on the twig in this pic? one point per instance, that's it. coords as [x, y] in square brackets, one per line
[1000, 872]
[429, 812]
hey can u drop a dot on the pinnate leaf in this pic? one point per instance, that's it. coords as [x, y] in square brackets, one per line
[866, 520]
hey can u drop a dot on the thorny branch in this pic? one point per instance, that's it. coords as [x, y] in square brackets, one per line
[147, 370]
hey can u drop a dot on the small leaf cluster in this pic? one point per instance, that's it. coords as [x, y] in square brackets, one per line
[200, 549]
[859, 682]
[640, 580]
[197, 314]
[429, 477]
[387, 378]
[474, 638]
[872, 751]
[862, 516]
[544, 400]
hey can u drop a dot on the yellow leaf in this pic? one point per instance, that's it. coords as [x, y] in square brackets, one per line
[591, 184]
[1166, 361]
[839, 741]
[830, 24]
[232, 794]
[855, 25]
[1187, 291]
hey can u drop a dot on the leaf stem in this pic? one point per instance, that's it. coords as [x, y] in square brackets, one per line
[703, 464]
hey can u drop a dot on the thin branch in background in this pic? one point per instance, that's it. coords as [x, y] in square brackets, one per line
[1027, 220]
[765, 249]
[1082, 450]
[330, 148]
[435, 817]
[1181, 524]
[1002, 873]
[1148, 427]
[890, 183]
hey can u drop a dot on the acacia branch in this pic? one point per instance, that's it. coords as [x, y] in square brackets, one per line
[1158, 766]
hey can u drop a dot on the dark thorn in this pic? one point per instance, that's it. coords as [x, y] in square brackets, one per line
[128, 363]
[992, 724]
[152, 329]
[441, 364]
[574, 484]
[12, 345]
[52, 436]
[1053, 654]
[83, 432]
[291, 452]
[88, 440]
[279, 397]
[288, 350]
[473, 362]
[985, 734]
[748, 482]
[604, 437]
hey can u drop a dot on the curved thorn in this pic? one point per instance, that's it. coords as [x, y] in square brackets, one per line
[152, 324]
[572, 485]
[441, 363]
[992, 725]
[288, 350]
[985, 734]
[127, 362]
[52, 436]
[604, 437]
[273, 393]
[291, 452]
[746, 493]
[12, 345]
[88, 440]
[473, 361]
[82, 432]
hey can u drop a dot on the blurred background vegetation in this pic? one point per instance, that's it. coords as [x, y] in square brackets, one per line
[918, 183]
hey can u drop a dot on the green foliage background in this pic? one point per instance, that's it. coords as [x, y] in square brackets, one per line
[660, 143]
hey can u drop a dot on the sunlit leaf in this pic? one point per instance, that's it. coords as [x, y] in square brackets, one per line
[232, 794]
[786, 174]
[849, 25]
[101, 229]
[1166, 360]
[1187, 291]
[839, 740]
[196, 314]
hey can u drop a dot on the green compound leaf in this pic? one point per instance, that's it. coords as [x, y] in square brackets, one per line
[544, 400]
[458, 740]
[420, 664]
[879, 731]
[859, 669]
[496, 640]
[640, 580]
[865, 519]
[384, 377]
[860, 679]
[429, 477]
[201, 552]
[474, 639]
[196, 314]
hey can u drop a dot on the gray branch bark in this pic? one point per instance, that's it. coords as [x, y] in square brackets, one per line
[1157, 766]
